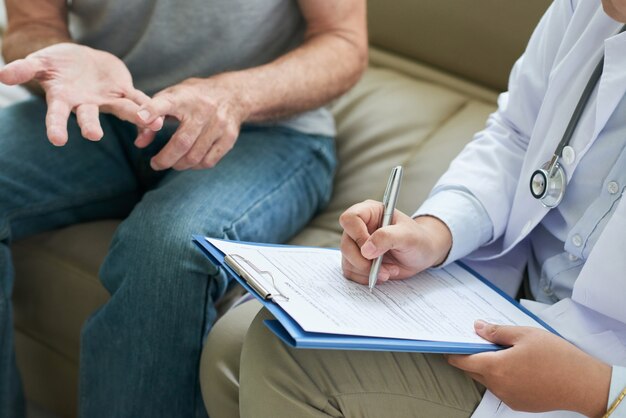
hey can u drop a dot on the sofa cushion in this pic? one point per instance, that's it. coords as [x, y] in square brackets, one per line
[390, 119]
[57, 284]
[477, 40]
[56, 289]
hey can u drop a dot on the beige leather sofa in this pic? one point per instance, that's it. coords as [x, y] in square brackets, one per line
[436, 68]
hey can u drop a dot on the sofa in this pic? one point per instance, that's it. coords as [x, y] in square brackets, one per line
[436, 67]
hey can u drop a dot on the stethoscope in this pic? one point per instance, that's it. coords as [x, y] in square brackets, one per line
[548, 183]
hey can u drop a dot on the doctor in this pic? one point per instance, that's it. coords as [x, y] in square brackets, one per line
[569, 233]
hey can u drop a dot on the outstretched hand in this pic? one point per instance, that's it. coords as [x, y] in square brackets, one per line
[80, 79]
[538, 372]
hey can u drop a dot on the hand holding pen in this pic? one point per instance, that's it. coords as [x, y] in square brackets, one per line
[407, 245]
[389, 206]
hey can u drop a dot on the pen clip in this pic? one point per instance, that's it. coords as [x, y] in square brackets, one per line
[392, 189]
[388, 188]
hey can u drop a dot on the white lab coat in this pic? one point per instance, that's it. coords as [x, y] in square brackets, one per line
[546, 83]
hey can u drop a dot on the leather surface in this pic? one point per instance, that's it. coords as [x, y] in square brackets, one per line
[478, 40]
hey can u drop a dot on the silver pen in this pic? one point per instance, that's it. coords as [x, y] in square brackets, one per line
[389, 205]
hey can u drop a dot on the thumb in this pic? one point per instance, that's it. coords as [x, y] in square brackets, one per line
[381, 241]
[505, 335]
[19, 72]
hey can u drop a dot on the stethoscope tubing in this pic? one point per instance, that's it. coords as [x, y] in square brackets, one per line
[548, 182]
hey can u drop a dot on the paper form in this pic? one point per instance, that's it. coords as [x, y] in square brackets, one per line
[437, 305]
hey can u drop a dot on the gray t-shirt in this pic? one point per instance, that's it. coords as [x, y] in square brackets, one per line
[166, 41]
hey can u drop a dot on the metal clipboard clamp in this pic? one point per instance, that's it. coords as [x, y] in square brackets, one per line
[237, 262]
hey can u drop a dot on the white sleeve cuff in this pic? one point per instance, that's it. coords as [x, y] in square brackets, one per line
[464, 215]
[618, 383]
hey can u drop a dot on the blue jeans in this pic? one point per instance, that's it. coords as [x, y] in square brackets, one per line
[140, 352]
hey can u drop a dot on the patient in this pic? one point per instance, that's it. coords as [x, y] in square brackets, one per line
[483, 211]
[249, 154]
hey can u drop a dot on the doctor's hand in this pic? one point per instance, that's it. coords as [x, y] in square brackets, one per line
[210, 112]
[409, 245]
[83, 80]
[539, 371]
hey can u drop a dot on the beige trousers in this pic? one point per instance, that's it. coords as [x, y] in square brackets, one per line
[247, 371]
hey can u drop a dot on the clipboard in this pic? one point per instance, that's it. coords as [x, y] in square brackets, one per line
[290, 332]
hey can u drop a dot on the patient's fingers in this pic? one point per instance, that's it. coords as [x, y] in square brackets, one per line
[138, 96]
[163, 104]
[56, 122]
[179, 144]
[89, 121]
[126, 109]
[144, 137]
[20, 71]
[142, 98]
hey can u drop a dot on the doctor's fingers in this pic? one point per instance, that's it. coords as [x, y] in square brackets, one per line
[352, 273]
[361, 219]
[362, 276]
[477, 377]
[481, 363]
[395, 237]
[351, 250]
[357, 268]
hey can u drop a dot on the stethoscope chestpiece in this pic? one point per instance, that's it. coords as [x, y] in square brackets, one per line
[549, 189]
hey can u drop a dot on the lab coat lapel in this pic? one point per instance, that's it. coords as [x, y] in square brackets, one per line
[613, 82]
[526, 211]
[567, 81]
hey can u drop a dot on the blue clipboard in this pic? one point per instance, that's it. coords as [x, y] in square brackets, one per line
[290, 332]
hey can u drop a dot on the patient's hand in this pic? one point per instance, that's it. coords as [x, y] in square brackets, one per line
[410, 245]
[210, 112]
[80, 79]
[539, 372]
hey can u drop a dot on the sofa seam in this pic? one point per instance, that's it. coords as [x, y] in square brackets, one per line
[61, 261]
[37, 338]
